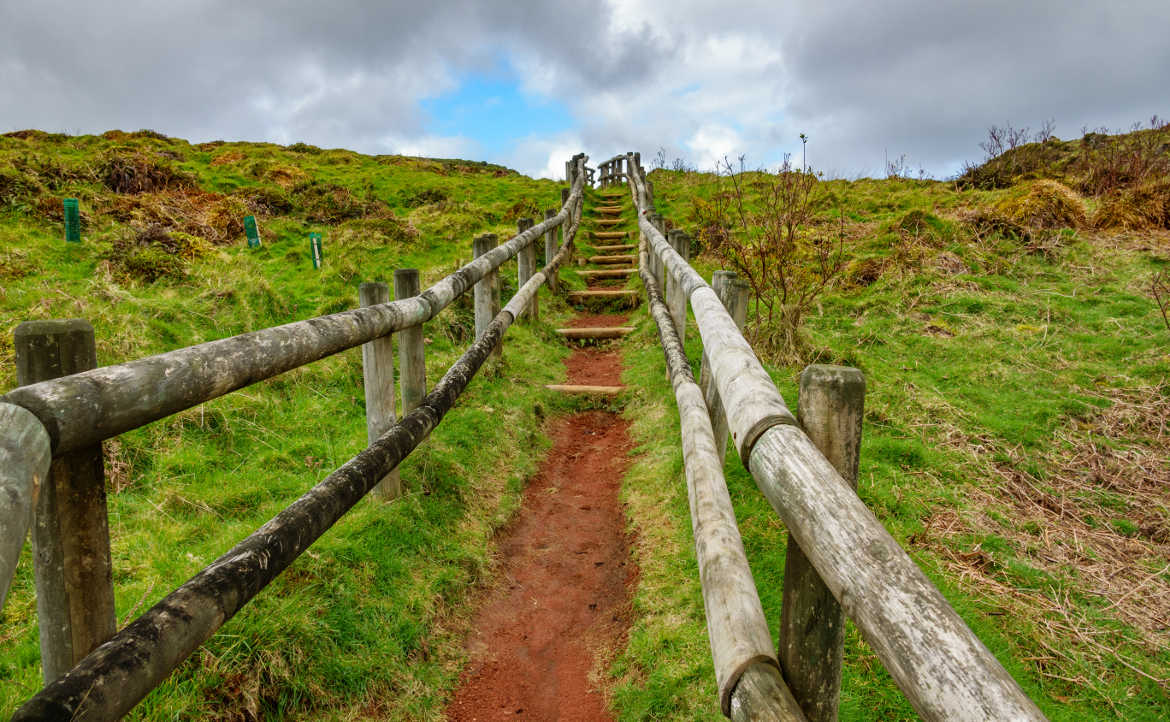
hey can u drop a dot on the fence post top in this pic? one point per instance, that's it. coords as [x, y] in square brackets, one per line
[845, 377]
[524, 223]
[53, 326]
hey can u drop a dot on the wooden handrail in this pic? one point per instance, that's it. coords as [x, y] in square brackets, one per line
[117, 675]
[941, 666]
[82, 409]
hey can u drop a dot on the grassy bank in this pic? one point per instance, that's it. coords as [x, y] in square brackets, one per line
[369, 622]
[1016, 444]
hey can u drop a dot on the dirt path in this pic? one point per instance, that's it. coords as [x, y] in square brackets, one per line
[562, 604]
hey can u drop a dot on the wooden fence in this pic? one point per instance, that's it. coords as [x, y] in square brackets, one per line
[841, 560]
[51, 431]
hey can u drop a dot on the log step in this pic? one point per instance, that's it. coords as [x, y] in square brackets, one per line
[586, 332]
[601, 390]
[614, 249]
[608, 273]
[601, 295]
[608, 209]
[613, 259]
[611, 234]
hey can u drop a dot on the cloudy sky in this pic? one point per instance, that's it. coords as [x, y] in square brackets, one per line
[528, 83]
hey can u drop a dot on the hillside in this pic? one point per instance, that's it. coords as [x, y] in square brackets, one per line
[369, 622]
[1016, 442]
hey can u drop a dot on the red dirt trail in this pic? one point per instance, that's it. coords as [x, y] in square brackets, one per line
[562, 604]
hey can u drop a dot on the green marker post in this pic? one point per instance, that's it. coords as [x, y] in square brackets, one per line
[315, 249]
[72, 220]
[251, 231]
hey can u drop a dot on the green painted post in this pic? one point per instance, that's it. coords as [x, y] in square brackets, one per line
[251, 231]
[72, 220]
[315, 249]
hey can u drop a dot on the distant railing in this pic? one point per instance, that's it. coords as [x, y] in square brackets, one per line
[66, 419]
[841, 560]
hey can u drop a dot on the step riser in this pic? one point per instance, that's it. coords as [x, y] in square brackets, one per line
[595, 333]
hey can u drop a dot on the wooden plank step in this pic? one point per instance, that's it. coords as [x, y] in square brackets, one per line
[613, 259]
[608, 273]
[598, 295]
[614, 249]
[595, 332]
[612, 194]
[610, 234]
[608, 209]
[599, 390]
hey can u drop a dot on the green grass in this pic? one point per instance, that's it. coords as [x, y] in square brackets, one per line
[369, 622]
[990, 390]
[1015, 366]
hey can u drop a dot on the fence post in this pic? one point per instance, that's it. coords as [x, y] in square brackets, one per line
[525, 262]
[550, 250]
[812, 625]
[676, 299]
[378, 378]
[71, 534]
[486, 291]
[412, 366]
[659, 222]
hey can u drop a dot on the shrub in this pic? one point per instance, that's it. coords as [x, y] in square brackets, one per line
[127, 171]
[1046, 204]
[1147, 206]
[766, 242]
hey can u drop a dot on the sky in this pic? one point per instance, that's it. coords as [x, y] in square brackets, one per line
[528, 83]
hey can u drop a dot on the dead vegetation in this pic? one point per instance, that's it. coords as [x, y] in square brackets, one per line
[140, 171]
[1095, 525]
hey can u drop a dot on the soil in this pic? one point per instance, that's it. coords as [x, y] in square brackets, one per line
[562, 605]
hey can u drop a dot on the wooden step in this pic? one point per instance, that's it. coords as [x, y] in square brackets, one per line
[608, 273]
[603, 295]
[613, 259]
[612, 194]
[598, 390]
[609, 221]
[611, 234]
[614, 249]
[586, 332]
[608, 209]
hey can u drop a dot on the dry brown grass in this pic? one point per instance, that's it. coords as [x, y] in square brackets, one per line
[1045, 204]
[212, 216]
[1097, 524]
[1146, 206]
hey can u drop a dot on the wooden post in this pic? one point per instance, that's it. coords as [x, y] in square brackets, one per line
[525, 266]
[676, 299]
[733, 292]
[812, 625]
[550, 250]
[486, 291]
[71, 534]
[378, 377]
[412, 366]
[659, 267]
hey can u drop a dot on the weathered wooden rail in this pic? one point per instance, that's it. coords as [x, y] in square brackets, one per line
[838, 548]
[62, 417]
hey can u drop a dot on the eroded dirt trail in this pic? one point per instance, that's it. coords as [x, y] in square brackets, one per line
[562, 603]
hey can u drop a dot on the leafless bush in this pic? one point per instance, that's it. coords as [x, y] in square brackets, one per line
[1044, 134]
[764, 239]
[1000, 140]
[1160, 290]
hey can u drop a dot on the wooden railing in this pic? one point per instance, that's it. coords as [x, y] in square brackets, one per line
[838, 550]
[65, 419]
